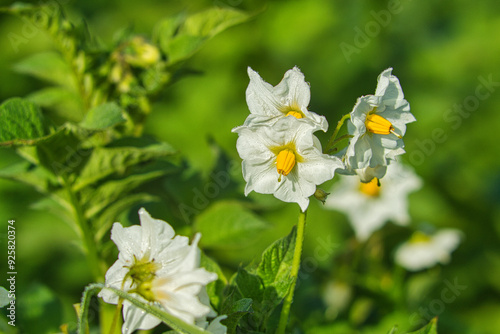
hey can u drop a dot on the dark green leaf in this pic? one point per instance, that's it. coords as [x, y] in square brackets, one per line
[104, 116]
[249, 285]
[228, 224]
[21, 123]
[237, 310]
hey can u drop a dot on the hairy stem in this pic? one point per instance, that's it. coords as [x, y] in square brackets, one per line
[285, 311]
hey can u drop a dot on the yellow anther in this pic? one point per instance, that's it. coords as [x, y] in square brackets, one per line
[285, 161]
[371, 188]
[379, 125]
[295, 114]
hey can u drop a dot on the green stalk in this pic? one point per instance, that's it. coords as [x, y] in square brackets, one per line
[87, 237]
[335, 133]
[285, 311]
[175, 323]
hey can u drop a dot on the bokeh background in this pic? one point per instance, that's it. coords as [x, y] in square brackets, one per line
[443, 53]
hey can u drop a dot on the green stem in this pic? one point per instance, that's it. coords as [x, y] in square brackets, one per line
[335, 132]
[285, 311]
[175, 323]
[86, 234]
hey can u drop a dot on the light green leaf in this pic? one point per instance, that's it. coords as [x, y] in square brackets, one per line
[29, 174]
[4, 296]
[64, 105]
[95, 200]
[430, 328]
[105, 161]
[180, 38]
[21, 123]
[104, 116]
[277, 261]
[228, 224]
[107, 217]
[47, 66]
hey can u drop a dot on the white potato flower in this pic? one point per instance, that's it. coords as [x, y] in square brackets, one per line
[370, 205]
[377, 124]
[160, 267]
[424, 251]
[284, 160]
[291, 96]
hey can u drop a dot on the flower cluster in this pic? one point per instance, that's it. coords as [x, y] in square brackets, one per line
[281, 155]
[377, 124]
[157, 266]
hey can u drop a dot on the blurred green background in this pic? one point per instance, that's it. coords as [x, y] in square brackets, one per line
[442, 52]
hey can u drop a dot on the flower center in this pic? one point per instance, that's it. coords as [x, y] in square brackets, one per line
[296, 114]
[142, 271]
[371, 188]
[379, 125]
[419, 237]
[285, 161]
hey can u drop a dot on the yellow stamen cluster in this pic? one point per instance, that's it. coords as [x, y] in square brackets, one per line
[295, 114]
[371, 188]
[379, 125]
[285, 161]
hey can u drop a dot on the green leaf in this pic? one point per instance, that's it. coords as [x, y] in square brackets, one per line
[116, 160]
[61, 152]
[104, 116]
[95, 200]
[108, 216]
[430, 328]
[29, 174]
[214, 289]
[4, 297]
[47, 66]
[276, 264]
[180, 38]
[249, 285]
[235, 312]
[61, 104]
[228, 224]
[21, 123]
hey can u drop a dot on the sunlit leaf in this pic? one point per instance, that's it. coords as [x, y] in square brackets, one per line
[228, 224]
[430, 328]
[47, 66]
[104, 116]
[21, 123]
